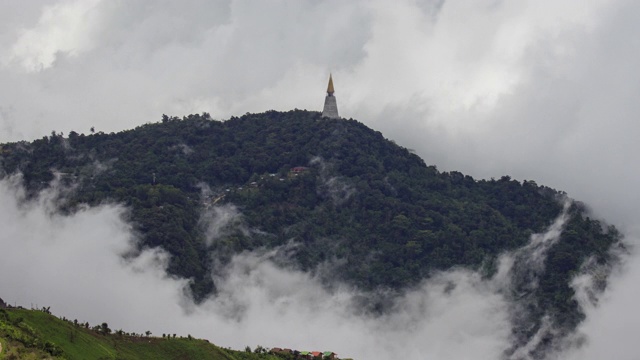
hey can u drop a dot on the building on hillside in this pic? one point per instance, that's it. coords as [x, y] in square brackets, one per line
[329, 355]
[330, 106]
[298, 170]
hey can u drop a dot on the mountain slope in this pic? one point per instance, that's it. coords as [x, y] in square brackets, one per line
[35, 334]
[333, 196]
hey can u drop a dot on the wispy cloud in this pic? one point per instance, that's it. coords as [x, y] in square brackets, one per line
[332, 186]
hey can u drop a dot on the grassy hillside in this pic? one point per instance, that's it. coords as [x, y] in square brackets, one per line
[32, 334]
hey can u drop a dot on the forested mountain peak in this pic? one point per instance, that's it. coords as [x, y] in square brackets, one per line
[336, 197]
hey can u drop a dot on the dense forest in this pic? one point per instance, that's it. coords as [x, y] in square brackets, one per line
[333, 196]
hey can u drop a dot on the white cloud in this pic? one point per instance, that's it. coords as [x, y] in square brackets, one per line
[221, 221]
[62, 28]
[76, 262]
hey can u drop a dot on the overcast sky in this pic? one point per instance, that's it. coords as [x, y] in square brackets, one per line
[541, 90]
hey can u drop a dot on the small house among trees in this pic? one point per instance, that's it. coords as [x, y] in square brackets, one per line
[305, 355]
[329, 355]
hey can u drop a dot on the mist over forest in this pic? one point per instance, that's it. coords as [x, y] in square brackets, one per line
[541, 92]
[317, 219]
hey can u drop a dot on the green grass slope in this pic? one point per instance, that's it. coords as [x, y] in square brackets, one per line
[32, 334]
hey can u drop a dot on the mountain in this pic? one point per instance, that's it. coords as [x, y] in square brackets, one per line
[329, 196]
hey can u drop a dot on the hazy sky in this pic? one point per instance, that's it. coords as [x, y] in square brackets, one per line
[541, 90]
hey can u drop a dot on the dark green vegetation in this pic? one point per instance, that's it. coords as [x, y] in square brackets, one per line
[372, 210]
[34, 334]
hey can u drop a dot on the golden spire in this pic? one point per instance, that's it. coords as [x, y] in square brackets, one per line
[330, 87]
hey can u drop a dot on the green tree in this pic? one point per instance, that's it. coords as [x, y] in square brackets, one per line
[104, 329]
